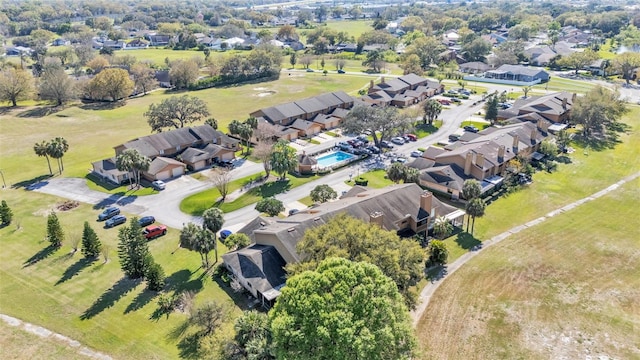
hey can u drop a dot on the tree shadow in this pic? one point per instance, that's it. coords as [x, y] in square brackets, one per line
[467, 241]
[563, 159]
[240, 298]
[107, 185]
[28, 184]
[40, 111]
[179, 282]
[427, 128]
[436, 273]
[110, 297]
[272, 188]
[75, 269]
[141, 300]
[600, 142]
[126, 200]
[40, 255]
[189, 346]
[108, 201]
[99, 105]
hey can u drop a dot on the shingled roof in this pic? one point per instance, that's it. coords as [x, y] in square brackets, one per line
[262, 267]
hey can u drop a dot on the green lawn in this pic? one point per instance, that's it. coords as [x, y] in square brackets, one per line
[377, 179]
[480, 125]
[196, 204]
[158, 55]
[605, 51]
[17, 343]
[92, 133]
[90, 302]
[422, 130]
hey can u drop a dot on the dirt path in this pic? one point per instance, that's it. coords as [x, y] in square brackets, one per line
[45, 333]
[428, 291]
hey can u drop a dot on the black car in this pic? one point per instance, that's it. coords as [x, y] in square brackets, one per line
[108, 213]
[340, 71]
[471, 128]
[385, 144]
[146, 221]
[114, 221]
[373, 149]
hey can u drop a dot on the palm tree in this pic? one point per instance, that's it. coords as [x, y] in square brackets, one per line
[212, 220]
[396, 172]
[442, 227]
[432, 110]
[57, 148]
[124, 162]
[475, 208]
[140, 163]
[42, 149]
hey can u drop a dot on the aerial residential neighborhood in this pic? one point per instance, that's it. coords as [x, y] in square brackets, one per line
[319, 180]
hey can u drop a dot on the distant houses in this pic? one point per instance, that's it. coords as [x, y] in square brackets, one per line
[401, 92]
[512, 75]
[172, 153]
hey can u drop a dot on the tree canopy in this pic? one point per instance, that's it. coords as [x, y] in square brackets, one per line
[111, 84]
[381, 121]
[15, 85]
[283, 158]
[323, 193]
[176, 112]
[270, 205]
[344, 236]
[342, 310]
[598, 111]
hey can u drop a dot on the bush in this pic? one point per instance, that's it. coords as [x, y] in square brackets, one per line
[361, 181]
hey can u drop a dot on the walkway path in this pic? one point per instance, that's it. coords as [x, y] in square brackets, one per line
[45, 333]
[428, 291]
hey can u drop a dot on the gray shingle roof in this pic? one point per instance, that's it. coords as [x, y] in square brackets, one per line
[412, 79]
[160, 163]
[261, 265]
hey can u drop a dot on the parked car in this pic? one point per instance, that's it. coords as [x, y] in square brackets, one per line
[398, 140]
[158, 185]
[115, 221]
[416, 153]
[225, 234]
[345, 147]
[386, 145]
[401, 160]
[293, 211]
[361, 151]
[146, 221]
[465, 92]
[363, 138]
[452, 91]
[340, 71]
[455, 100]
[373, 149]
[411, 137]
[153, 231]
[309, 70]
[108, 213]
[444, 102]
[471, 128]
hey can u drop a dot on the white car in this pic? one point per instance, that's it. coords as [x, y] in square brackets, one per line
[416, 153]
[158, 185]
[398, 140]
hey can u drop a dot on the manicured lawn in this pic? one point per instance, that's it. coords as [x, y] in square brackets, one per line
[605, 52]
[17, 343]
[269, 189]
[564, 288]
[525, 285]
[91, 302]
[158, 55]
[306, 200]
[95, 183]
[377, 179]
[480, 125]
[196, 204]
[422, 130]
[93, 132]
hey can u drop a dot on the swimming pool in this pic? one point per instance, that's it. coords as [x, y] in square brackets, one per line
[334, 158]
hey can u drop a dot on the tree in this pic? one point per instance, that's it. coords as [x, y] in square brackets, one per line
[323, 193]
[190, 238]
[432, 110]
[55, 234]
[509, 52]
[358, 314]
[471, 189]
[243, 130]
[212, 220]
[438, 252]
[548, 149]
[442, 227]
[625, 63]
[263, 151]
[133, 250]
[382, 122]
[270, 205]
[57, 86]
[176, 112]
[253, 337]
[411, 175]
[491, 109]
[306, 61]
[15, 85]
[525, 90]
[237, 241]
[56, 149]
[208, 318]
[112, 84]
[411, 65]
[144, 77]
[344, 236]
[476, 50]
[375, 60]
[396, 172]
[283, 158]
[221, 180]
[293, 59]
[183, 73]
[598, 110]
[212, 122]
[97, 64]
[427, 48]
[563, 139]
[579, 60]
[340, 63]
[91, 246]
[6, 215]
[475, 208]
[42, 149]
[154, 275]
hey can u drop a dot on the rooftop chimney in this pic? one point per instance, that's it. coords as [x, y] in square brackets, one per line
[467, 163]
[564, 103]
[376, 218]
[534, 135]
[480, 160]
[516, 142]
[371, 84]
[382, 80]
[501, 153]
[426, 201]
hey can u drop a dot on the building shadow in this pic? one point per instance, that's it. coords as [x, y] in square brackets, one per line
[40, 255]
[110, 297]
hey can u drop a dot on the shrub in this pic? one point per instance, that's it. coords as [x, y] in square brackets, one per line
[361, 181]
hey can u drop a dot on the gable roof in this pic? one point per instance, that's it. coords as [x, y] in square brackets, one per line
[261, 266]
[160, 163]
[310, 105]
[412, 79]
[301, 124]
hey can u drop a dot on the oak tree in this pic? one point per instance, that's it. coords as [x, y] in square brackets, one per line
[176, 112]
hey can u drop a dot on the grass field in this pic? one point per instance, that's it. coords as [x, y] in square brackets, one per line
[92, 302]
[515, 293]
[18, 344]
[92, 133]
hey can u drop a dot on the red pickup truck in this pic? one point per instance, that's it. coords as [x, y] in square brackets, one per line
[153, 231]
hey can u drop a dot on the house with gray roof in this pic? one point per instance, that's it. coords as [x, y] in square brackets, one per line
[518, 73]
[405, 209]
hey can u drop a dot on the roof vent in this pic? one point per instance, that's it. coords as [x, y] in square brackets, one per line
[291, 229]
[316, 218]
[362, 195]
